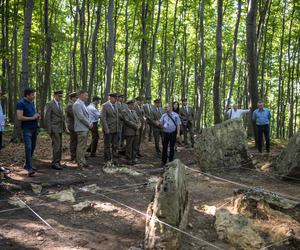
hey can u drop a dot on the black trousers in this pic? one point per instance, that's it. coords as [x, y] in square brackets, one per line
[263, 130]
[95, 138]
[168, 141]
[110, 145]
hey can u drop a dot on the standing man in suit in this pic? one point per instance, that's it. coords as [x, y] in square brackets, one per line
[155, 116]
[55, 125]
[121, 105]
[70, 125]
[82, 125]
[110, 123]
[147, 110]
[132, 126]
[186, 114]
[138, 107]
[94, 115]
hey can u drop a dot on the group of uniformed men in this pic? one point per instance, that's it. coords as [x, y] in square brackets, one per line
[121, 122]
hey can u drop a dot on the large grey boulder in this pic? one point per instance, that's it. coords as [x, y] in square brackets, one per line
[170, 205]
[237, 230]
[224, 145]
[288, 162]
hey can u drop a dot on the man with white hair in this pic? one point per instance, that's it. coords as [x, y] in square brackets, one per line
[234, 112]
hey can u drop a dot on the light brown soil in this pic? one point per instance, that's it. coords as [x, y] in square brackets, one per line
[120, 227]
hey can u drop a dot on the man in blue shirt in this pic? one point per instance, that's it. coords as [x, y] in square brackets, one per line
[262, 117]
[28, 116]
[170, 123]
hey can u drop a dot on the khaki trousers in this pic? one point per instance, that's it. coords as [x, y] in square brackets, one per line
[81, 148]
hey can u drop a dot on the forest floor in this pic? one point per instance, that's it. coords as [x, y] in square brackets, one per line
[109, 223]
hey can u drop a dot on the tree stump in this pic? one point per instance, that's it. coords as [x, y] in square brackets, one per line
[224, 145]
[170, 205]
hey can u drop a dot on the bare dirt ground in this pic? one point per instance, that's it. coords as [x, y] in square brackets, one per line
[112, 223]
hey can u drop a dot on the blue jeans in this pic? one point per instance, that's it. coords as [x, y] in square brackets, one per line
[29, 137]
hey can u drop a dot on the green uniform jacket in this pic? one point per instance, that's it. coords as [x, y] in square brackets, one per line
[131, 122]
[54, 119]
[110, 118]
[186, 115]
[155, 116]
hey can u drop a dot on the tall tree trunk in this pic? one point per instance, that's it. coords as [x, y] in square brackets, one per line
[217, 76]
[148, 89]
[202, 64]
[93, 50]
[83, 46]
[110, 47]
[234, 62]
[280, 115]
[25, 45]
[252, 55]
[126, 51]
[48, 55]
[144, 49]
[173, 59]
[74, 67]
[262, 84]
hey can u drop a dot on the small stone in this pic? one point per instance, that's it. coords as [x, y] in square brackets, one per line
[40, 238]
[37, 189]
[190, 225]
[82, 243]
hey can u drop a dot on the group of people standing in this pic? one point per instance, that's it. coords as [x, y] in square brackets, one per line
[124, 126]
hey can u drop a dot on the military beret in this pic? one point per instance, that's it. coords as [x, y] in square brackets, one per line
[130, 102]
[58, 92]
[72, 95]
[120, 95]
[157, 100]
[113, 95]
[96, 98]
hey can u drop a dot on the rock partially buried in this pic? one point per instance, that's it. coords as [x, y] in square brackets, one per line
[82, 206]
[237, 230]
[288, 162]
[36, 188]
[170, 205]
[65, 195]
[224, 145]
[93, 188]
[110, 168]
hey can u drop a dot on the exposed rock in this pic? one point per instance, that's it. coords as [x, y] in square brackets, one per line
[288, 162]
[36, 188]
[65, 195]
[259, 203]
[237, 230]
[16, 202]
[82, 205]
[170, 205]
[105, 207]
[224, 145]
[93, 188]
[113, 169]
